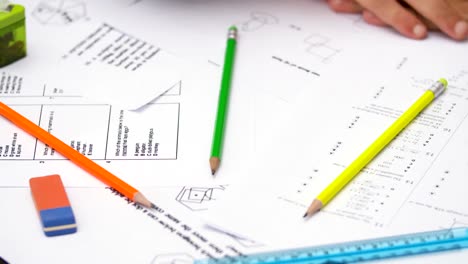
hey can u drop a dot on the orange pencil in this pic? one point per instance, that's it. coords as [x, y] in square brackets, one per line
[74, 156]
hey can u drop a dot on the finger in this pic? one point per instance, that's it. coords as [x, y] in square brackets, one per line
[396, 16]
[444, 16]
[461, 6]
[344, 6]
[372, 19]
[429, 24]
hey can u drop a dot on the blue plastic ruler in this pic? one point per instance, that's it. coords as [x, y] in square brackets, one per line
[363, 250]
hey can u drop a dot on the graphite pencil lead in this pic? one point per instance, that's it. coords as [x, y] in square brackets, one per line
[214, 164]
[142, 200]
[314, 207]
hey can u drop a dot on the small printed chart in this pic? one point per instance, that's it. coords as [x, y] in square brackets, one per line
[107, 134]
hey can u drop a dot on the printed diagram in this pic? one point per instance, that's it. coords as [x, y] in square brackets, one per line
[319, 46]
[257, 21]
[59, 12]
[175, 258]
[198, 198]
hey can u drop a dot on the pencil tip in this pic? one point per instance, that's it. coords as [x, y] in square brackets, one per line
[305, 215]
[314, 207]
[214, 164]
[153, 206]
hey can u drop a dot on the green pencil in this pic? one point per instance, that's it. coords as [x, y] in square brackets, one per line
[218, 135]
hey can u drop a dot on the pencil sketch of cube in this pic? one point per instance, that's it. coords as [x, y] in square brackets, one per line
[257, 20]
[198, 198]
[175, 258]
[318, 46]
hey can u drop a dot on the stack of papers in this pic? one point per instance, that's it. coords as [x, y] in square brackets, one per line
[133, 85]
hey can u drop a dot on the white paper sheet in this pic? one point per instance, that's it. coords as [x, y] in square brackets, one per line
[102, 62]
[110, 229]
[402, 190]
[168, 141]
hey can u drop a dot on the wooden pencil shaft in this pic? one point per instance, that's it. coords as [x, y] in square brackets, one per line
[375, 148]
[218, 135]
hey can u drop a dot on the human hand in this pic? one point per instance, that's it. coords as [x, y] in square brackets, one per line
[412, 18]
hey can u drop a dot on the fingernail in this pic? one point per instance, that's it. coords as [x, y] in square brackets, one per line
[419, 31]
[337, 2]
[461, 29]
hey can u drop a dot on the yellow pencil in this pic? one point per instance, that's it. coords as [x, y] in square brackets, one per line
[369, 154]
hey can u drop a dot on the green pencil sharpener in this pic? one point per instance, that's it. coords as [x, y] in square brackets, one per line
[12, 34]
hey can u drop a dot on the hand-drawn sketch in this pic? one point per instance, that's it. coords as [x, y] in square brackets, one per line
[454, 224]
[257, 20]
[198, 198]
[59, 12]
[242, 240]
[320, 47]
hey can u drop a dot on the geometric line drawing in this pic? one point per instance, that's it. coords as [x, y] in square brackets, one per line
[198, 198]
[173, 258]
[257, 20]
[176, 89]
[455, 224]
[59, 12]
[243, 241]
[317, 45]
